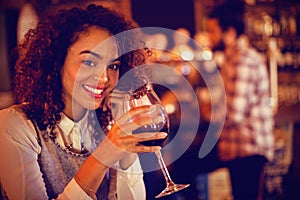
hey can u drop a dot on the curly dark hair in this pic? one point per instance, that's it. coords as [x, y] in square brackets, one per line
[37, 83]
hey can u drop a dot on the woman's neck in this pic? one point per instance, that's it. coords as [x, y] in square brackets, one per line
[74, 113]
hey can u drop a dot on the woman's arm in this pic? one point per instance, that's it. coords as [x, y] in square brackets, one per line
[20, 173]
[130, 183]
[19, 170]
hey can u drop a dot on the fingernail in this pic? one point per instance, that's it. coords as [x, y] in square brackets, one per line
[157, 148]
[163, 134]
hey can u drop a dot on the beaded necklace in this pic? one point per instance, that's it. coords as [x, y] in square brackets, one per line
[69, 145]
[104, 123]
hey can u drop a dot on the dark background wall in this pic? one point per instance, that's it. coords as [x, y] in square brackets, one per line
[164, 13]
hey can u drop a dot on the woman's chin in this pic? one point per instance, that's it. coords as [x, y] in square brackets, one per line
[95, 105]
[90, 105]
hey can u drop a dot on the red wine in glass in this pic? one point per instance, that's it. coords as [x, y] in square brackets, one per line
[158, 127]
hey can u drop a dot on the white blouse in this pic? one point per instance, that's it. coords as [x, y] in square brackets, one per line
[20, 176]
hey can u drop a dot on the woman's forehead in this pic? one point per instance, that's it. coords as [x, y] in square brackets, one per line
[97, 40]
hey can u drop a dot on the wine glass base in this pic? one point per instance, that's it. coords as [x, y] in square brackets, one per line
[172, 188]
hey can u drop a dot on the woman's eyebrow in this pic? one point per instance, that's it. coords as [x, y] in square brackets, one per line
[98, 55]
[92, 53]
[115, 60]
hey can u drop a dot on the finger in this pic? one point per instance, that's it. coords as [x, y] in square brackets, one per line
[143, 149]
[136, 138]
[140, 121]
[115, 98]
[130, 143]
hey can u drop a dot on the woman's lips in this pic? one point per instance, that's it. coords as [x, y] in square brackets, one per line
[96, 92]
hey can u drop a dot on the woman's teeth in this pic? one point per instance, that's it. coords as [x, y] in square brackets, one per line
[93, 90]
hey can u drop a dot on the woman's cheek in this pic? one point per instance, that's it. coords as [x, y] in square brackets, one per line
[115, 79]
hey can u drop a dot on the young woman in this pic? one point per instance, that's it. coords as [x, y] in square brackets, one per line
[52, 142]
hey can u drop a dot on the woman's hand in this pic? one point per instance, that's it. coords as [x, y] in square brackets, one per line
[120, 142]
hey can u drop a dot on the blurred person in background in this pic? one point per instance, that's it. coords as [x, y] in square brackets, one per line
[246, 140]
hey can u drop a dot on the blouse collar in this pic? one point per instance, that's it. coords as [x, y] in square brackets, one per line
[66, 124]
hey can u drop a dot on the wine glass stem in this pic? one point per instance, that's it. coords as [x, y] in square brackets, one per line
[164, 168]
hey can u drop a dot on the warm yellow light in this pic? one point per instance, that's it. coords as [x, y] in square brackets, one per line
[187, 55]
[170, 108]
[207, 55]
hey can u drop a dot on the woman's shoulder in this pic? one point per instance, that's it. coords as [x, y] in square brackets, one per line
[13, 123]
[11, 114]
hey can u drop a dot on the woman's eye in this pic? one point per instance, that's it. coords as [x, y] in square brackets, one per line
[114, 66]
[89, 63]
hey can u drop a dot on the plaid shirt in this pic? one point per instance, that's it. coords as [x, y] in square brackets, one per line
[248, 127]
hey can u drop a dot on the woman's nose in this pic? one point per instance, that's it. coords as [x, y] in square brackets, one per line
[102, 76]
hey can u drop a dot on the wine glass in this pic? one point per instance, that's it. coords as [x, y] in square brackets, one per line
[145, 95]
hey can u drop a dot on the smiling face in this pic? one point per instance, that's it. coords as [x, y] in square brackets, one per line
[90, 71]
